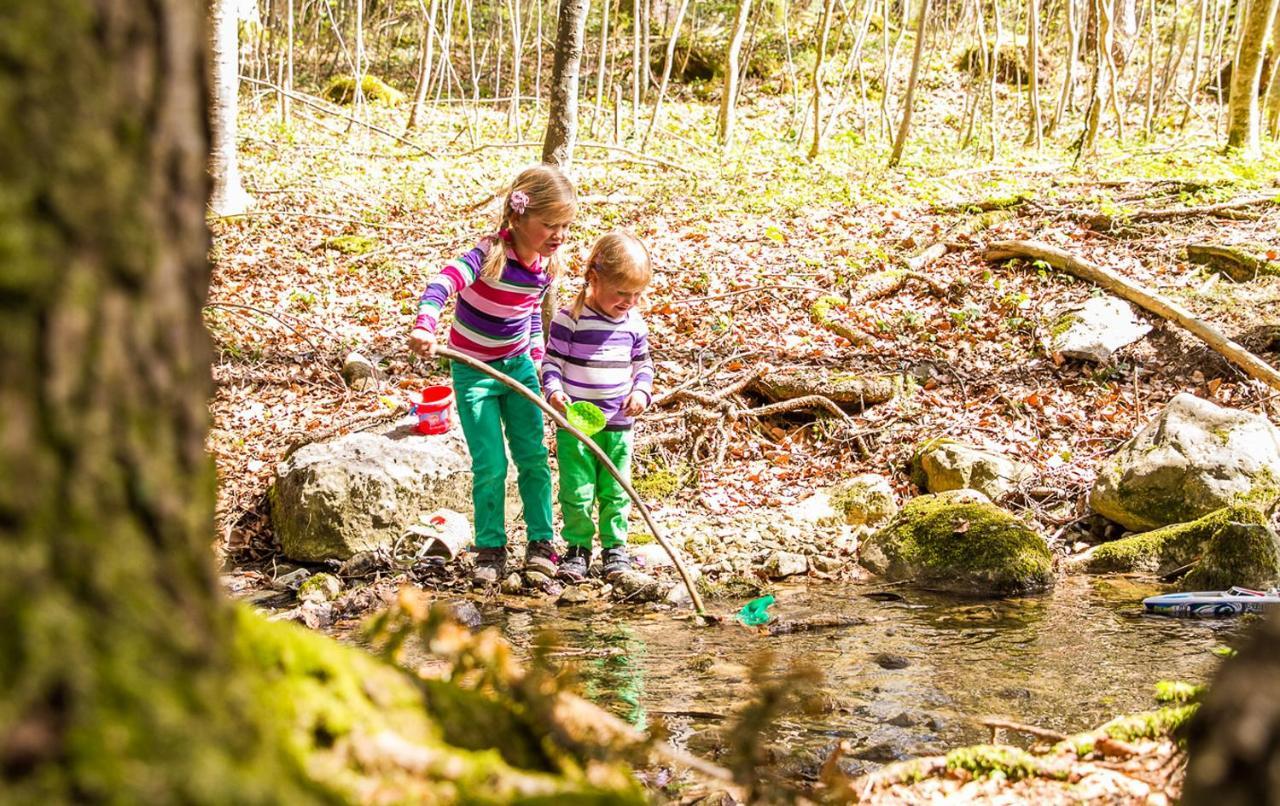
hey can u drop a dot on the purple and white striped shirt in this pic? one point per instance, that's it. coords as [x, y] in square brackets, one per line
[599, 359]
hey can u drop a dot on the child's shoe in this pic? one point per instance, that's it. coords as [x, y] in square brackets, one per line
[491, 566]
[616, 561]
[576, 563]
[540, 556]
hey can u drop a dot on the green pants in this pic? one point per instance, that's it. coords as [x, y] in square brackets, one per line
[486, 408]
[585, 483]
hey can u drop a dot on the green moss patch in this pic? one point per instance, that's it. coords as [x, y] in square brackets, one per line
[1176, 691]
[351, 244]
[341, 90]
[986, 760]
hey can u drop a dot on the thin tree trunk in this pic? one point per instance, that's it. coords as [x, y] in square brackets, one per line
[667, 62]
[1194, 88]
[602, 63]
[562, 122]
[1272, 100]
[817, 79]
[517, 52]
[358, 97]
[1151, 67]
[424, 73]
[286, 109]
[907, 101]
[1073, 55]
[730, 90]
[229, 196]
[635, 64]
[1246, 74]
[1034, 136]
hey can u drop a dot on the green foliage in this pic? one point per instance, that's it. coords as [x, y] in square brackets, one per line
[1011, 763]
[1176, 691]
[351, 244]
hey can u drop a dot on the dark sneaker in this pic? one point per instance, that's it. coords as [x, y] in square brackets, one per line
[491, 566]
[576, 563]
[540, 556]
[616, 561]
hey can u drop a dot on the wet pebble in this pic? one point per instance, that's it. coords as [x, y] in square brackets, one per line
[888, 660]
[573, 595]
[465, 613]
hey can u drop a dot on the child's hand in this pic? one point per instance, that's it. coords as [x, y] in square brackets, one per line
[636, 403]
[422, 342]
[558, 401]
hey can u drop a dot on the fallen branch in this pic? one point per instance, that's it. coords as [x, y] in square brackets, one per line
[1000, 723]
[1101, 221]
[635, 156]
[1139, 295]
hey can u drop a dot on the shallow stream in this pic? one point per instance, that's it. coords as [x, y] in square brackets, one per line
[1066, 661]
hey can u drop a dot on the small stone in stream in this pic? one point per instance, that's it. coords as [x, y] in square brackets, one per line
[783, 564]
[292, 580]
[465, 613]
[903, 720]
[573, 595]
[936, 723]
[883, 752]
[512, 584]
[540, 581]
[826, 565]
[320, 588]
[887, 660]
[634, 586]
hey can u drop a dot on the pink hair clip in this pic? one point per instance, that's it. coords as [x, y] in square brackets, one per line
[519, 201]
[504, 234]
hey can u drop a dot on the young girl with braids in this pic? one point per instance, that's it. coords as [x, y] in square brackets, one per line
[598, 350]
[500, 285]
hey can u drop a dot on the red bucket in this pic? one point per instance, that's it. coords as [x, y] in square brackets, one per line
[433, 410]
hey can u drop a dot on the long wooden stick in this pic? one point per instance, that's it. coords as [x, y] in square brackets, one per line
[1139, 295]
[559, 420]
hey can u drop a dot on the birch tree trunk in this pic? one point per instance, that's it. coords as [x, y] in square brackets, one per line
[1073, 55]
[562, 122]
[726, 120]
[602, 63]
[666, 71]
[1034, 136]
[118, 679]
[229, 196]
[817, 79]
[1242, 106]
[905, 127]
[424, 71]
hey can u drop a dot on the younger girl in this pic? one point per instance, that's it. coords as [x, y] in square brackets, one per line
[500, 285]
[598, 350]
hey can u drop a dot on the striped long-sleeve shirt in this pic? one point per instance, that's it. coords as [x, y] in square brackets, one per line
[494, 319]
[599, 359]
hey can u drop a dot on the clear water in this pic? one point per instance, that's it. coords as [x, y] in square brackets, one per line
[1066, 661]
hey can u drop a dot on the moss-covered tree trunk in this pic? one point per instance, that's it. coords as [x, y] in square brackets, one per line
[116, 678]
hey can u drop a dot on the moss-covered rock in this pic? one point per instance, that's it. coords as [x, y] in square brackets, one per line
[1233, 546]
[961, 546]
[367, 732]
[1193, 459]
[986, 760]
[341, 90]
[351, 244]
[866, 499]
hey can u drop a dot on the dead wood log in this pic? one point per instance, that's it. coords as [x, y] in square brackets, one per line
[1103, 222]
[845, 389]
[1241, 263]
[1139, 295]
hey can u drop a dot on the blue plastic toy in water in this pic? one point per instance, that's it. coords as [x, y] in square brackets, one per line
[756, 612]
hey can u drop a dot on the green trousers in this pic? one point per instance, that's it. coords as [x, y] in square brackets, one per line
[586, 484]
[486, 408]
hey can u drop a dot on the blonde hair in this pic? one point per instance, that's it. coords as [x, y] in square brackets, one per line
[617, 257]
[548, 193]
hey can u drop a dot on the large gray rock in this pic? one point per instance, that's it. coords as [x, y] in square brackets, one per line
[1096, 329]
[361, 491]
[942, 465]
[954, 543]
[1193, 459]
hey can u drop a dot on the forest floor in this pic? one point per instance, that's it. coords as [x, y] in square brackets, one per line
[348, 224]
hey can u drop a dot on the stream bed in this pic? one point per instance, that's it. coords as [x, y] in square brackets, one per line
[913, 679]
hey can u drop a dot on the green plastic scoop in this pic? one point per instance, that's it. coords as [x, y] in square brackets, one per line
[756, 612]
[585, 416]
